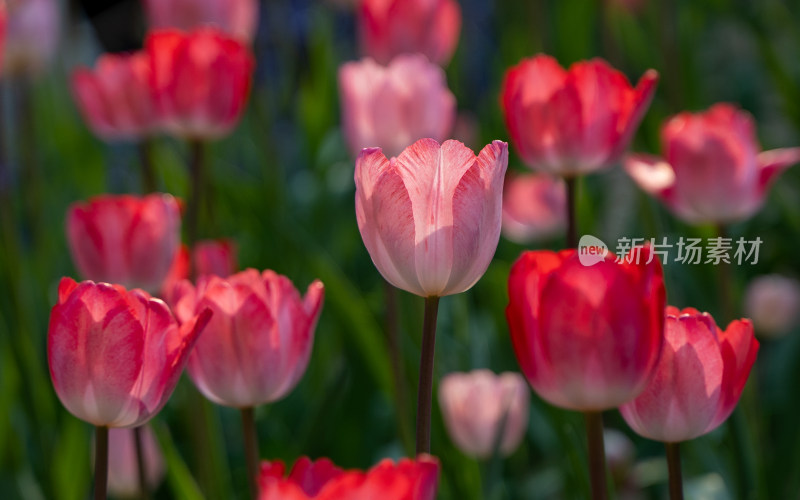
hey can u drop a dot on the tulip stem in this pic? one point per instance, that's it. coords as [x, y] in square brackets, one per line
[250, 449]
[146, 164]
[572, 226]
[425, 391]
[193, 207]
[140, 467]
[674, 465]
[100, 462]
[725, 284]
[597, 454]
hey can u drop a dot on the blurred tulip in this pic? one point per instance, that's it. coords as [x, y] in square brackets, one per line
[3, 29]
[713, 170]
[388, 28]
[534, 207]
[474, 406]
[217, 257]
[587, 338]
[772, 302]
[32, 32]
[322, 480]
[115, 356]
[392, 107]
[125, 239]
[201, 81]
[257, 345]
[238, 18]
[123, 469]
[430, 217]
[115, 99]
[572, 122]
[698, 380]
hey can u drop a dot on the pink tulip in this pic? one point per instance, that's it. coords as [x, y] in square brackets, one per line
[587, 338]
[124, 239]
[430, 217]
[216, 257]
[115, 356]
[572, 122]
[115, 99]
[713, 168]
[201, 81]
[258, 343]
[697, 382]
[474, 406]
[123, 469]
[32, 34]
[534, 207]
[322, 480]
[388, 28]
[391, 107]
[238, 18]
[772, 302]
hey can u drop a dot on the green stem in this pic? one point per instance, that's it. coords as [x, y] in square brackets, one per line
[100, 462]
[194, 205]
[725, 284]
[572, 225]
[674, 465]
[144, 490]
[425, 392]
[597, 454]
[146, 163]
[250, 449]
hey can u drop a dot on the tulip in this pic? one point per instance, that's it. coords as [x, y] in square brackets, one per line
[476, 406]
[713, 169]
[201, 80]
[430, 217]
[534, 207]
[238, 18]
[115, 99]
[391, 27]
[391, 107]
[116, 355]
[125, 239]
[698, 380]
[208, 257]
[772, 303]
[322, 480]
[123, 468]
[32, 32]
[576, 121]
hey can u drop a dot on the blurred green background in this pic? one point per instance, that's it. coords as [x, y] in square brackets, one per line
[283, 190]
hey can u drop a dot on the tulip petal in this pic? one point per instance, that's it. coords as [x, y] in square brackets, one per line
[739, 350]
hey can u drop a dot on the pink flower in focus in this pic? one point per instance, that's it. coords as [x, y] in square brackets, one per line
[258, 343]
[388, 28]
[115, 356]
[392, 107]
[576, 121]
[115, 98]
[713, 168]
[430, 217]
[238, 18]
[773, 304]
[123, 469]
[32, 32]
[474, 405]
[534, 207]
[125, 239]
[698, 380]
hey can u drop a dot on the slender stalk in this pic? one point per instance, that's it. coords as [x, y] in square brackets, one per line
[572, 225]
[197, 180]
[396, 358]
[100, 462]
[425, 392]
[674, 465]
[146, 164]
[250, 449]
[30, 173]
[597, 454]
[725, 284]
[493, 466]
[144, 490]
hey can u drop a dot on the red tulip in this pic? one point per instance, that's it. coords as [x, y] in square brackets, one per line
[32, 36]
[587, 338]
[388, 28]
[430, 218]
[475, 404]
[124, 239]
[208, 257]
[115, 356]
[115, 99]
[714, 169]
[698, 380]
[534, 207]
[258, 343]
[321, 480]
[123, 469]
[391, 107]
[238, 18]
[576, 121]
[201, 81]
